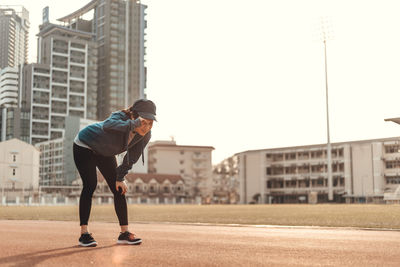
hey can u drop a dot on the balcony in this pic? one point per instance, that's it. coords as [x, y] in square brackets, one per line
[59, 96]
[60, 50]
[199, 156]
[59, 65]
[60, 108]
[199, 166]
[41, 100]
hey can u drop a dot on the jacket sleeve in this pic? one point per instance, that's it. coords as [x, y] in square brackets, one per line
[133, 154]
[116, 122]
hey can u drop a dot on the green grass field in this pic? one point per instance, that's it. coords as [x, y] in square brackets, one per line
[334, 215]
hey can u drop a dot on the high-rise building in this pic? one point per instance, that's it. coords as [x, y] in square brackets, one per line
[118, 27]
[64, 83]
[14, 121]
[9, 87]
[14, 29]
[72, 56]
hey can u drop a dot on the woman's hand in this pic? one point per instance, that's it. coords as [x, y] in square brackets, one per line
[121, 185]
[145, 126]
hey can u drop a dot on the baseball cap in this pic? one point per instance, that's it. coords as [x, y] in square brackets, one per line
[145, 108]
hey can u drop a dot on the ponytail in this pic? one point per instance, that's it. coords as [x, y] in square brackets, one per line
[128, 113]
[131, 113]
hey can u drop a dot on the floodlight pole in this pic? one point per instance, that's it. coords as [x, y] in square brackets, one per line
[329, 154]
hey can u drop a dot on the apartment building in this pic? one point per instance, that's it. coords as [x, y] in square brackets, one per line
[14, 121]
[19, 172]
[9, 87]
[193, 163]
[14, 30]
[363, 171]
[51, 170]
[63, 84]
[118, 27]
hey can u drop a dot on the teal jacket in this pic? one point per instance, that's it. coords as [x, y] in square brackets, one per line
[110, 138]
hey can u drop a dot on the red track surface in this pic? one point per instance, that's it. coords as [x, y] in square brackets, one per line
[46, 243]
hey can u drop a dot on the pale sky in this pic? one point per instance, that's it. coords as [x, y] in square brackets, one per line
[242, 75]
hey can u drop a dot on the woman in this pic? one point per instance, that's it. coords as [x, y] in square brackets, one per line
[96, 146]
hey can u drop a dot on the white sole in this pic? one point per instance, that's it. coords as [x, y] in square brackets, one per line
[126, 242]
[92, 244]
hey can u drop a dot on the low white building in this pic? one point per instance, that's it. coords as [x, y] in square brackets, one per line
[19, 172]
[365, 171]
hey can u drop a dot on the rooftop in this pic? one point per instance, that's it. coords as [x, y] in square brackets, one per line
[80, 12]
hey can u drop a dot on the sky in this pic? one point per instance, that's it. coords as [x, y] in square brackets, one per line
[244, 75]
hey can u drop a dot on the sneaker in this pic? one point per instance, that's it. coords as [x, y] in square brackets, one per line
[129, 239]
[87, 240]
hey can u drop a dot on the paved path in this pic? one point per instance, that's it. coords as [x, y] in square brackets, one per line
[46, 243]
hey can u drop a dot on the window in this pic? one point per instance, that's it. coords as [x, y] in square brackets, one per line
[181, 161]
[392, 164]
[13, 172]
[14, 158]
[392, 149]
[393, 180]
[290, 156]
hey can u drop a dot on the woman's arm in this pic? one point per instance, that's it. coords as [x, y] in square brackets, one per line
[134, 154]
[116, 122]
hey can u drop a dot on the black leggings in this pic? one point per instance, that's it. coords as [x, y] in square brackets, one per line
[86, 162]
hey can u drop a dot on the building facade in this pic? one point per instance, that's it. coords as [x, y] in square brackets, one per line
[19, 172]
[118, 27]
[72, 57]
[63, 84]
[14, 30]
[143, 188]
[9, 86]
[193, 163]
[14, 121]
[52, 161]
[363, 171]
[57, 167]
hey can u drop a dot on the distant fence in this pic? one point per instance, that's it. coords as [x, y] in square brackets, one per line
[48, 200]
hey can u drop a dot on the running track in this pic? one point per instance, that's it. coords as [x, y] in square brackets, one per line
[47, 243]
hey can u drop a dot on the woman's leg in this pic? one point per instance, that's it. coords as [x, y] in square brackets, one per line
[86, 165]
[108, 167]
